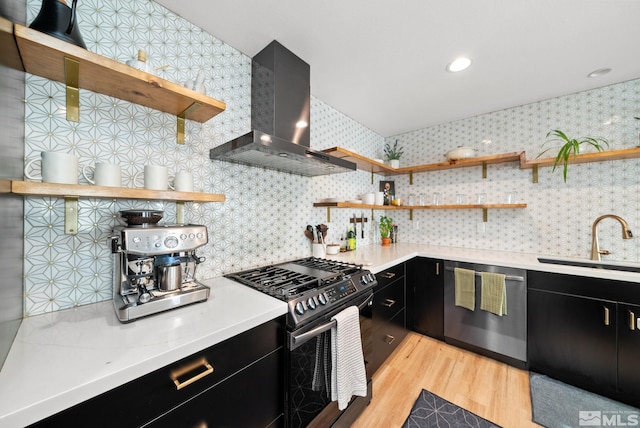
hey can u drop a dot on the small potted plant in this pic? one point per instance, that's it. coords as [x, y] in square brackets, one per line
[386, 223]
[570, 148]
[393, 154]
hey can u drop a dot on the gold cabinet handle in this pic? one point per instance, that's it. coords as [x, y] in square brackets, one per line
[388, 303]
[606, 315]
[180, 371]
[388, 275]
[389, 339]
[437, 268]
[632, 321]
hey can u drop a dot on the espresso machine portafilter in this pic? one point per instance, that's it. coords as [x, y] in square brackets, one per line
[155, 267]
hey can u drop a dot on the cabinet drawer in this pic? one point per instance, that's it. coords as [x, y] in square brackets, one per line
[387, 302]
[156, 393]
[390, 275]
[387, 338]
[246, 399]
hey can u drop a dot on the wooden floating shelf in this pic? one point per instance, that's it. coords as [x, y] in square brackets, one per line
[417, 207]
[44, 56]
[379, 168]
[29, 188]
[609, 155]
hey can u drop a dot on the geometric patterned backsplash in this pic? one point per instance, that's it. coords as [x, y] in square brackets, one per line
[265, 212]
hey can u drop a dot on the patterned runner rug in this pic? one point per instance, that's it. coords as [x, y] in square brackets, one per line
[431, 411]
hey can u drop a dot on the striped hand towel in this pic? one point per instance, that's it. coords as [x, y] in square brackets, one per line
[465, 287]
[494, 293]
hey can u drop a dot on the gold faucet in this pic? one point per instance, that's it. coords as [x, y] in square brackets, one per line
[595, 248]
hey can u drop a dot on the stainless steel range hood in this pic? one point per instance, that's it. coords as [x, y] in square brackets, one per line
[280, 117]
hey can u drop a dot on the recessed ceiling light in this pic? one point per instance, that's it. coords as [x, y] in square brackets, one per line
[599, 72]
[458, 64]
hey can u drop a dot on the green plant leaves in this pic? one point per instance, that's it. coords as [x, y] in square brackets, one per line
[570, 148]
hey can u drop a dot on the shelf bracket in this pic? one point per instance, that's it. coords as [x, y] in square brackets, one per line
[328, 214]
[484, 170]
[71, 77]
[71, 215]
[534, 172]
[372, 176]
[411, 214]
[485, 215]
[180, 121]
[411, 177]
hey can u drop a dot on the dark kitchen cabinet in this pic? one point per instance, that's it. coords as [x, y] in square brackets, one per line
[236, 383]
[582, 331]
[388, 314]
[573, 338]
[629, 350]
[425, 296]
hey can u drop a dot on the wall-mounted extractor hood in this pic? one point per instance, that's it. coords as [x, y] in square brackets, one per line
[280, 117]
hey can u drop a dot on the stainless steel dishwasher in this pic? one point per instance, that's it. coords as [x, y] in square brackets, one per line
[501, 337]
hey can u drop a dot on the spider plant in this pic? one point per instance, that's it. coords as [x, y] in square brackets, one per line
[570, 148]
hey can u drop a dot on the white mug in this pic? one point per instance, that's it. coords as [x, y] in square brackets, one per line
[183, 182]
[156, 177]
[55, 168]
[104, 174]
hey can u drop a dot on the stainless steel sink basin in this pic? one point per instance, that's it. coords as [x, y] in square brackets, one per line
[595, 264]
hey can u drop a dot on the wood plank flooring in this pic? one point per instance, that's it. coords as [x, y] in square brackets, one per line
[488, 388]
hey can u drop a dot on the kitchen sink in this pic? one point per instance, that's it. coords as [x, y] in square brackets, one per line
[595, 264]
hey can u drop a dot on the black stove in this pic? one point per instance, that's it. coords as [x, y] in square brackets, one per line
[311, 286]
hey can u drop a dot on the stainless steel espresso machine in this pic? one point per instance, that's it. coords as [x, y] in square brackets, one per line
[155, 265]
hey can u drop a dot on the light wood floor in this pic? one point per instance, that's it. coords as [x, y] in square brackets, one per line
[490, 389]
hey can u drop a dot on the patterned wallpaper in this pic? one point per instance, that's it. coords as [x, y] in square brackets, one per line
[263, 218]
[558, 218]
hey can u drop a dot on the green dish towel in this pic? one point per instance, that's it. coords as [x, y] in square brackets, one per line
[494, 293]
[465, 286]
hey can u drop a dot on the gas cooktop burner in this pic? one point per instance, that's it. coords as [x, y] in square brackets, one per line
[291, 279]
[311, 287]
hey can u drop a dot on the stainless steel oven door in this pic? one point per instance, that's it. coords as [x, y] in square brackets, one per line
[309, 368]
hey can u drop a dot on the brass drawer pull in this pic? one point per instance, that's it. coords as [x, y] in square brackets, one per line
[176, 373]
[438, 269]
[632, 321]
[389, 339]
[387, 275]
[388, 303]
[606, 315]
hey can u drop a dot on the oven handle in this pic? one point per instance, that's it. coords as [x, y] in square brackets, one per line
[297, 340]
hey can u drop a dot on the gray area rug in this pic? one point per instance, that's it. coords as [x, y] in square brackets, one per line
[558, 405]
[431, 411]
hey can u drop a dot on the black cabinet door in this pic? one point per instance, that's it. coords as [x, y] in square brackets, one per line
[425, 296]
[629, 351]
[573, 339]
[386, 339]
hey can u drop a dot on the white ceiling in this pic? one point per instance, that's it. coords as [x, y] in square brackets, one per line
[382, 63]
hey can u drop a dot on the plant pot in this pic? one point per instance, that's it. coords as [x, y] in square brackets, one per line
[394, 163]
[386, 241]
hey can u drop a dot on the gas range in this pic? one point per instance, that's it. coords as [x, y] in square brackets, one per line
[311, 286]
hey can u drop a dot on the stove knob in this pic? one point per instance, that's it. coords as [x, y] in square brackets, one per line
[364, 280]
[372, 277]
[299, 308]
[311, 303]
[322, 298]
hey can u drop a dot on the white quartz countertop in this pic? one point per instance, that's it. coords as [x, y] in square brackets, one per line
[63, 358]
[377, 258]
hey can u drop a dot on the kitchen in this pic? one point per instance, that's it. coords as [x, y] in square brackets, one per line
[61, 271]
